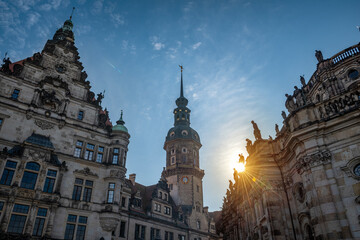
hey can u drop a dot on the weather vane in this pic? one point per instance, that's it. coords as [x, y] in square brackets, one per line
[72, 13]
[181, 67]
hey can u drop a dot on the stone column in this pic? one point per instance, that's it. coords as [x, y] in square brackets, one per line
[6, 215]
[31, 217]
[50, 224]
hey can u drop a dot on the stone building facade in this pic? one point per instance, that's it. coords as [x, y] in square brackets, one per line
[63, 163]
[304, 184]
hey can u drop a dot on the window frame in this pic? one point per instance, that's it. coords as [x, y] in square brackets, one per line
[100, 153]
[15, 95]
[16, 214]
[52, 180]
[89, 152]
[80, 115]
[28, 174]
[8, 169]
[39, 218]
[115, 155]
[75, 223]
[78, 148]
[111, 189]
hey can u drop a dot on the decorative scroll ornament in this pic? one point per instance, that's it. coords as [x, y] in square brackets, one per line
[44, 125]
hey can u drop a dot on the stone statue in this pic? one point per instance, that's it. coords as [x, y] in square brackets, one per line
[249, 146]
[302, 80]
[5, 67]
[283, 114]
[270, 138]
[99, 98]
[83, 76]
[319, 56]
[289, 104]
[300, 101]
[257, 132]
[277, 129]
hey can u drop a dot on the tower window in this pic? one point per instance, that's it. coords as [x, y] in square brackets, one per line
[184, 133]
[18, 219]
[80, 115]
[39, 222]
[197, 188]
[15, 94]
[78, 149]
[184, 150]
[115, 159]
[100, 154]
[198, 224]
[111, 192]
[173, 160]
[50, 181]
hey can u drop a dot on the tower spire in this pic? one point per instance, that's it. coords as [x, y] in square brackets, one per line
[181, 86]
[72, 13]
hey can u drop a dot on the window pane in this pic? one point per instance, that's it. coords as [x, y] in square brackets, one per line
[69, 232]
[79, 181]
[80, 115]
[1, 205]
[7, 177]
[38, 226]
[99, 157]
[115, 159]
[33, 166]
[42, 212]
[80, 232]
[29, 180]
[51, 173]
[11, 164]
[79, 143]
[90, 146]
[111, 185]
[21, 208]
[116, 150]
[122, 229]
[87, 194]
[101, 149]
[83, 219]
[49, 185]
[72, 218]
[16, 224]
[110, 196]
[89, 183]
[77, 152]
[77, 193]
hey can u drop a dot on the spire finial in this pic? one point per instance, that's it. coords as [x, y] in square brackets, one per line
[72, 13]
[120, 121]
[181, 87]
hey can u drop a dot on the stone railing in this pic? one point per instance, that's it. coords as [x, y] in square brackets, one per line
[345, 54]
[342, 104]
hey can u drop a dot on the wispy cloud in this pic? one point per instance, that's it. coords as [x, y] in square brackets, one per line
[156, 43]
[53, 4]
[97, 7]
[117, 19]
[196, 45]
[32, 19]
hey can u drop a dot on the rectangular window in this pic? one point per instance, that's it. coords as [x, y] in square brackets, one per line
[15, 94]
[111, 193]
[169, 235]
[167, 210]
[115, 159]
[89, 152]
[154, 234]
[50, 181]
[78, 148]
[197, 188]
[29, 180]
[39, 222]
[8, 173]
[100, 154]
[173, 160]
[77, 189]
[157, 207]
[75, 225]
[17, 221]
[165, 197]
[122, 229]
[80, 115]
[171, 186]
[123, 202]
[181, 237]
[1, 122]
[139, 232]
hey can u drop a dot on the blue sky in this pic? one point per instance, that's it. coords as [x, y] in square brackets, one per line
[239, 58]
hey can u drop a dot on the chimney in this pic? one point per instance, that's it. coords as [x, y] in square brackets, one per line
[132, 178]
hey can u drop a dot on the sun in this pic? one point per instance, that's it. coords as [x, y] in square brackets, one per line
[240, 166]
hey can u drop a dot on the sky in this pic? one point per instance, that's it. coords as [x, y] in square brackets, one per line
[239, 58]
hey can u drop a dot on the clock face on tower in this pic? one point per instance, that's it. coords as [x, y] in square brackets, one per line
[185, 180]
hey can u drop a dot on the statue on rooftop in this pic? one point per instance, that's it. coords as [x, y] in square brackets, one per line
[249, 146]
[277, 129]
[319, 56]
[5, 67]
[302, 80]
[289, 103]
[283, 114]
[257, 132]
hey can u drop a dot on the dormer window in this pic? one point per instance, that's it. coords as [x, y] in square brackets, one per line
[165, 197]
[173, 160]
[160, 195]
[198, 224]
[172, 134]
[184, 133]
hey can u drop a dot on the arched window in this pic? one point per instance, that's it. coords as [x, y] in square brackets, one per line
[309, 232]
[30, 175]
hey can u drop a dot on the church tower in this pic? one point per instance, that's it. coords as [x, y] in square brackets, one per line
[182, 145]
